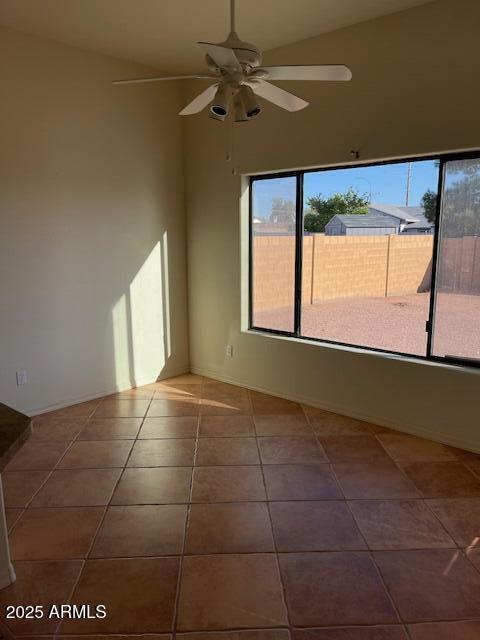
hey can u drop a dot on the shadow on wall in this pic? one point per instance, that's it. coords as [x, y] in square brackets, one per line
[426, 283]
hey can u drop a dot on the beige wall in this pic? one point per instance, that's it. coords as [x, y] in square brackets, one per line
[92, 238]
[414, 91]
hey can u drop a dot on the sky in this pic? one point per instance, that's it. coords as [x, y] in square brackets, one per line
[384, 184]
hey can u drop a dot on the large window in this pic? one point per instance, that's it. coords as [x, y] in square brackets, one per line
[356, 256]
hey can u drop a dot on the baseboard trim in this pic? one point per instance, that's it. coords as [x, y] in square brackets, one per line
[443, 438]
[106, 392]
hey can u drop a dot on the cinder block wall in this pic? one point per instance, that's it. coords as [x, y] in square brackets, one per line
[340, 267]
[349, 267]
[409, 264]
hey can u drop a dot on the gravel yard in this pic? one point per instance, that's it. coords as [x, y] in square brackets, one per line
[394, 323]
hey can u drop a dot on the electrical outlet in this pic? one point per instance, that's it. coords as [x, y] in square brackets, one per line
[229, 351]
[21, 378]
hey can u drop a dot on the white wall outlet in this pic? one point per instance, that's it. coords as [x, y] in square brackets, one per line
[21, 378]
[229, 350]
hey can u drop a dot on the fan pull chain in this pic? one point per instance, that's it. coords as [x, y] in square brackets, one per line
[231, 152]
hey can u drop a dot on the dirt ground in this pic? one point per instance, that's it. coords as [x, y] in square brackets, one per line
[394, 323]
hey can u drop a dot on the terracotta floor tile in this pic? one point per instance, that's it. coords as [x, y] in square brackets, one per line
[169, 427]
[262, 403]
[228, 484]
[469, 459]
[460, 517]
[381, 480]
[314, 526]
[37, 455]
[323, 589]
[326, 423]
[122, 408]
[19, 487]
[463, 455]
[80, 410]
[226, 426]
[464, 630]
[443, 479]
[232, 451]
[353, 449]
[352, 633]
[41, 583]
[290, 424]
[111, 429]
[120, 636]
[77, 488]
[96, 455]
[399, 524]
[301, 482]
[178, 391]
[251, 634]
[474, 466]
[429, 585]
[215, 402]
[161, 485]
[174, 407]
[154, 578]
[177, 452]
[56, 429]
[211, 388]
[141, 530]
[230, 591]
[184, 378]
[242, 527]
[11, 517]
[407, 448]
[137, 392]
[53, 534]
[290, 450]
[474, 556]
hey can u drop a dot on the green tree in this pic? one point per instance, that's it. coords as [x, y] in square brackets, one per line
[322, 209]
[429, 204]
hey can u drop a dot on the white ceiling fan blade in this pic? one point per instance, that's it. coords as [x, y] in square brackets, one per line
[223, 57]
[309, 72]
[160, 78]
[200, 102]
[278, 96]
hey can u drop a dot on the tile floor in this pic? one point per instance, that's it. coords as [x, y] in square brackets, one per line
[191, 506]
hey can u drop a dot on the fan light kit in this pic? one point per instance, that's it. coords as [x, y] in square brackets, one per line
[235, 66]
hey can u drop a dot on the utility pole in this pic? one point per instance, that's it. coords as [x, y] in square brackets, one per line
[409, 175]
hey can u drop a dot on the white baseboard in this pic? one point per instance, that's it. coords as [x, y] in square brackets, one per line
[106, 392]
[443, 438]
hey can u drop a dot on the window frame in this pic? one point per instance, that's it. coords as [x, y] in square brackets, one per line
[443, 158]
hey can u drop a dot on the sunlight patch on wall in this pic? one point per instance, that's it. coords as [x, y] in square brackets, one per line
[147, 317]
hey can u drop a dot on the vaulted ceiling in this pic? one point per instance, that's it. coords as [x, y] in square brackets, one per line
[163, 33]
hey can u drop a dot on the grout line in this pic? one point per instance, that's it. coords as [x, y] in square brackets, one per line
[282, 582]
[189, 504]
[100, 524]
[70, 595]
[372, 559]
[317, 552]
[185, 531]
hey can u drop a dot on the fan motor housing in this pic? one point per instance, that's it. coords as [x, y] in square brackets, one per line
[247, 53]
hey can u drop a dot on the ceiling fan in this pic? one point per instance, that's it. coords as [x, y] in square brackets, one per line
[236, 68]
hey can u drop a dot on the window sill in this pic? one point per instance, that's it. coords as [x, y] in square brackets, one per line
[366, 351]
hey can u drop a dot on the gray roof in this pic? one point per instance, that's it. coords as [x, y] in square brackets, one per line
[418, 213]
[365, 221]
[402, 213]
[420, 225]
